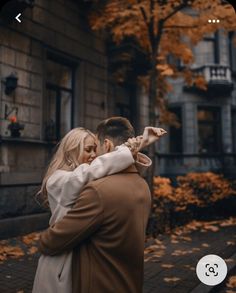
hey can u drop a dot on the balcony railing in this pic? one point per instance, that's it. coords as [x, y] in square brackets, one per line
[218, 78]
[176, 164]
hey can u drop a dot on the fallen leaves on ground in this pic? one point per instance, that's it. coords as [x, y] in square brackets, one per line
[167, 266]
[170, 280]
[18, 247]
[204, 226]
[157, 249]
[231, 282]
[30, 238]
[32, 250]
[229, 260]
[10, 251]
[179, 252]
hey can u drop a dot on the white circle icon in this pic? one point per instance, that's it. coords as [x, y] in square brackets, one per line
[213, 20]
[211, 269]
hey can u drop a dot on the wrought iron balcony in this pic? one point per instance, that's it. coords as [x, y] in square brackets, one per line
[218, 78]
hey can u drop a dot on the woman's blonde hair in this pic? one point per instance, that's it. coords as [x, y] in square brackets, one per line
[67, 156]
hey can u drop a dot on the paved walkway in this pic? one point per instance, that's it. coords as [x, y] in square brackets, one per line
[170, 259]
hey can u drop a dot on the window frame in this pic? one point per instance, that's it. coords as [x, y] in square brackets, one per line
[65, 60]
[216, 124]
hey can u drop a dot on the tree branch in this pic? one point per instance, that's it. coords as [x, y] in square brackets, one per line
[181, 26]
[178, 8]
[143, 14]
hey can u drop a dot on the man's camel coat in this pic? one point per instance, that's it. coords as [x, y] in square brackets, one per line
[106, 229]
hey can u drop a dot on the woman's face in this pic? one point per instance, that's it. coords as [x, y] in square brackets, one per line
[89, 152]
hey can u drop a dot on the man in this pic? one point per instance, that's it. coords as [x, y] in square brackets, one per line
[106, 227]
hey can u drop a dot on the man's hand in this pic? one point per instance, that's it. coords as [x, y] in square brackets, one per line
[151, 135]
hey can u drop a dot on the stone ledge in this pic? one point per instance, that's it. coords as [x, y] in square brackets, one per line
[17, 226]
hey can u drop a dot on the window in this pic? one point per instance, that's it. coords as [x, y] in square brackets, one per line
[206, 51]
[232, 51]
[234, 129]
[209, 130]
[176, 133]
[59, 97]
[123, 110]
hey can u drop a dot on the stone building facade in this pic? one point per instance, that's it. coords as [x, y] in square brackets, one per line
[206, 139]
[61, 68]
[63, 81]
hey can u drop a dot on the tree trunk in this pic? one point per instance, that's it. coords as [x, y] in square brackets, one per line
[152, 121]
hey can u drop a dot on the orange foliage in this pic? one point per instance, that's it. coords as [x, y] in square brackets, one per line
[10, 251]
[198, 189]
[161, 29]
[25, 245]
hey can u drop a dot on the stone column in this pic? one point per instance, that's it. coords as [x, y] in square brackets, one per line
[190, 135]
[142, 102]
[227, 144]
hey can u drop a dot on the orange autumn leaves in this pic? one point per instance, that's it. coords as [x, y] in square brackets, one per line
[141, 20]
[162, 29]
[231, 284]
[28, 247]
[10, 251]
[198, 189]
[175, 254]
[158, 248]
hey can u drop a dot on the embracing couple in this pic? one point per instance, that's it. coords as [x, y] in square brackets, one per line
[100, 206]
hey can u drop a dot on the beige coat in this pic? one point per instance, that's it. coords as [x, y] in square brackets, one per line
[106, 229]
[54, 273]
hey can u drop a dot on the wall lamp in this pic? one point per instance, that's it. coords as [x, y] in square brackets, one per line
[10, 83]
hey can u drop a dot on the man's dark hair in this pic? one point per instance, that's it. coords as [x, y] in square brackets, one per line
[117, 129]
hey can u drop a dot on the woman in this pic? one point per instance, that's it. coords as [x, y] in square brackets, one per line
[73, 165]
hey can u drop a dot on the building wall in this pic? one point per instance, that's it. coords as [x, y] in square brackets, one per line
[189, 101]
[58, 26]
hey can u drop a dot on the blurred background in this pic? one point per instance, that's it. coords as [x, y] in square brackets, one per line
[73, 63]
[170, 64]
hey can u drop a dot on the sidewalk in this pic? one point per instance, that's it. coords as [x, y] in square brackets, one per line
[170, 260]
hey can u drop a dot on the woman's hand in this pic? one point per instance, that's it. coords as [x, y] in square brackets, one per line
[134, 144]
[151, 135]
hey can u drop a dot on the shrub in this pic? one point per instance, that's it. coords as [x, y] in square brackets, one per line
[198, 189]
[195, 192]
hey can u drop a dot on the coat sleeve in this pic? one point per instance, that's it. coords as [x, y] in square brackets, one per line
[73, 182]
[79, 223]
[142, 163]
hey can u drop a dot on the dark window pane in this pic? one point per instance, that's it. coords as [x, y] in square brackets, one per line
[59, 95]
[123, 110]
[205, 52]
[234, 129]
[204, 115]
[65, 121]
[50, 131]
[59, 74]
[209, 125]
[232, 51]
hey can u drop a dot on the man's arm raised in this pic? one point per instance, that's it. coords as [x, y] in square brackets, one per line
[79, 223]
